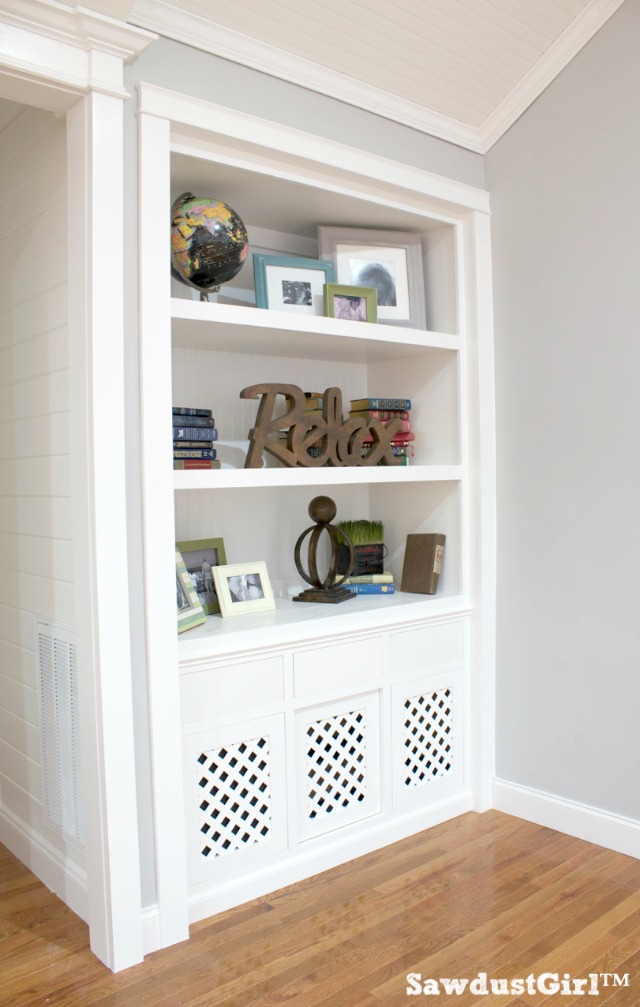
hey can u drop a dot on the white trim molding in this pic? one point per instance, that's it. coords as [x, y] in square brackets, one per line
[614, 832]
[61, 875]
[547, 68]
[52, 52]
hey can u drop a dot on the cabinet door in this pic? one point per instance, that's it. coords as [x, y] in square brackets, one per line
[337, 764]
[427, 737]
[235, 797]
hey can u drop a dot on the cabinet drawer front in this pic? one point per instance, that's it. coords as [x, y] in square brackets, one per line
[429, 646]
[216, 692]
[332, 667]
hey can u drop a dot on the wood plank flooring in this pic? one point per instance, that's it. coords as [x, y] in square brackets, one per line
[481, 894]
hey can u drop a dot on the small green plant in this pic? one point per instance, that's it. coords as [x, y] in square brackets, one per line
[363, 532]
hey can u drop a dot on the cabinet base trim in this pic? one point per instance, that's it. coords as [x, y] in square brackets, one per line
[594, 825]
[304, 863]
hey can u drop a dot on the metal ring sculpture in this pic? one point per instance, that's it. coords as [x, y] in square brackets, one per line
[322, 511]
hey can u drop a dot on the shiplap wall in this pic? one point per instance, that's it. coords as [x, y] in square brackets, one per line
[35, 512]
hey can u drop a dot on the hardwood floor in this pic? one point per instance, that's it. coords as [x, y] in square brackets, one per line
[481, 894]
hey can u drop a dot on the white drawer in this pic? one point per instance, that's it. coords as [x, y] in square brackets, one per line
[332, 667]
[428, 646]
[219, 691]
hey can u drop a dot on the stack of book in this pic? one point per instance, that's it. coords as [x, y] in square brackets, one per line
[194, 432]
[384, 410]
[371, 583]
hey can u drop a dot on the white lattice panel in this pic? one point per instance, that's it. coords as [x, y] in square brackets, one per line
[428, 736]
[338, 765]
[236, 809]
[235, 797]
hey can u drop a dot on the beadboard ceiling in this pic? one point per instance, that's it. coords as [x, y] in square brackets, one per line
[462, 70]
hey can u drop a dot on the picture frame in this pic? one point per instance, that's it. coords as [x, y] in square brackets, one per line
[291, 283]
[200, 557]
[390, 261]
[243, 588]
[190, 611]
[354, 304]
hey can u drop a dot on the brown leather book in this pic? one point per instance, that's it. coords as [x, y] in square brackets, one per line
[422, 563]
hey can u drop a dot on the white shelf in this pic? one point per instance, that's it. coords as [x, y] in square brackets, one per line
[294, 622]
[230, 478]
[242, 329]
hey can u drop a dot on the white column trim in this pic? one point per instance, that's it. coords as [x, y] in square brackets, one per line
[159, 532]
[97, 442]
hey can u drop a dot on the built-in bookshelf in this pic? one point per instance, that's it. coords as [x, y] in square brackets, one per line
[266, 675]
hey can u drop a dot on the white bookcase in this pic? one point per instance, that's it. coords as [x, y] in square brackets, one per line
[354, 724]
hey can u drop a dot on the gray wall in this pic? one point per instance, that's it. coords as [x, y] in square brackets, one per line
[189, 71]
[566, 219]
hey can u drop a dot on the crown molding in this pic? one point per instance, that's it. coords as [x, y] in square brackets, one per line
[52, 52]
[165, 18]
[545, 70]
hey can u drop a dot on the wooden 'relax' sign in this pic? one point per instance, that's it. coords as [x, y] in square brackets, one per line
[311, 440]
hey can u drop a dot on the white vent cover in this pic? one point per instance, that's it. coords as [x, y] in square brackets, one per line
[60, 731]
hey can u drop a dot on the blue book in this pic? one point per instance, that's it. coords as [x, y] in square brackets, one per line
[370, 588]
[195, 434]
[209, 453]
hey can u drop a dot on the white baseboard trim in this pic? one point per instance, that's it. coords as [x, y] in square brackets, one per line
[63, 877]
[311, 859]
[614, 832]
[151, 931]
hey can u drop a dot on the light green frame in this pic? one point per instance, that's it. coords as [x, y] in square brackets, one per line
[210, 608]
[368, 294]
[193, 615]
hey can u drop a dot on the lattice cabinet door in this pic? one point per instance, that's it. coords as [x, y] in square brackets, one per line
[337, 764]
[427, 737]
[235, 797]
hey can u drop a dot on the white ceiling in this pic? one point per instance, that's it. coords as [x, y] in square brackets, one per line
[462, 70]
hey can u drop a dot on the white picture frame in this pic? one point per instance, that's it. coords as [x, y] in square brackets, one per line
[243, 588]
[390, 261]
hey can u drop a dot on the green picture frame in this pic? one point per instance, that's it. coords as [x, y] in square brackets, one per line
[349, 303]
[200, 557]
[190, 611]
[291, 283]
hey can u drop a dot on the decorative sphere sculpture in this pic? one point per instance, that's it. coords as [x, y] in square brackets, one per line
[322, 510]
[209, 243]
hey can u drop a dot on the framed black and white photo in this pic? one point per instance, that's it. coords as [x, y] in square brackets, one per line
[291, 283]
[200, 557]
[390, 261]
[190, 612]
[353, 304]
[243, 588]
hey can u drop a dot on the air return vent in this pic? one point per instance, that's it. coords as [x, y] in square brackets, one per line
[60, 731]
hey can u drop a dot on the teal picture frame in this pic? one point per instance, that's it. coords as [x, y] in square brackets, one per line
[291, 283]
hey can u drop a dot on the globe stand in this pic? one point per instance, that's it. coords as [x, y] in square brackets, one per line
[322, 510]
